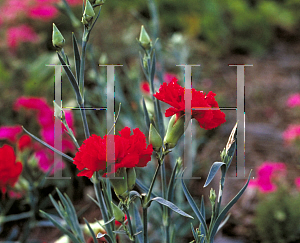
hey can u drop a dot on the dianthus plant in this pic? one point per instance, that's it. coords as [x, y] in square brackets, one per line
[110, 161]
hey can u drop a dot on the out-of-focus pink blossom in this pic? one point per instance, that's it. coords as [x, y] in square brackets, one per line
[45, 160]
[267, 173]
[42, 12]
[293, 100]
[20, 34]
[30, 103]
[45, 118]
[297, 183]
[13, 9]
[10, 132]
[291, 133]
[15, 12]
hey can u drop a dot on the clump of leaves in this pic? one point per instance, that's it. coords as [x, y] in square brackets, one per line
[278, 218]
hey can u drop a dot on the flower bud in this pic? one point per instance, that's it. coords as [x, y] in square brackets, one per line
[88, 13]
[58, 40]
[118, 213]
[174, 132]
[120, 184]
[155, 138]
[212, 196]
[131, 178]
[144, 39]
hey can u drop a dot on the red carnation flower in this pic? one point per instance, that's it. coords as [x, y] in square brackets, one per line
[10, 170]
[130, 151]
[173, 94]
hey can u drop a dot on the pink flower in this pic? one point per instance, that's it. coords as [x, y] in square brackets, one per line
[17, 35]
[43, 12]
[46, 159]
[267, 173]
[14, 9]
[45, 118]
[297, 183]
[291, 133]
[10, 132]
[293, 100]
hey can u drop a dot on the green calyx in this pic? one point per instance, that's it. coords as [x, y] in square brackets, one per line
[119, 183]
[144, 39]
[131, 178]
[58, 40]
[174, 132]
[88, 13]
[118, 213]
[154, 138]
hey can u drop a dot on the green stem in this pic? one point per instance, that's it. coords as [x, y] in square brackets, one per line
[103, 208]
[131, 236]
[82, 61]
[145, 231]
[151, 187]
[166, 214]
[81, 82]
[221, 187]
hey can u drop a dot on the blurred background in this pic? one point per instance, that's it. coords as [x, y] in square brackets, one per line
[213, 34]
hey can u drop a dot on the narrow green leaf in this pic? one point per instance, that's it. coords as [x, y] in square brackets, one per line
[171, 186]
[75, 217]
[91, 231]
[49, 146]
[71, 215]
[133, 195]
[223, 222]
[71, 79]
[213, 171]
[170, 205]
[146, 114]
[138, 223]
[142, 64]
[61, 228]
[202, 211]
[160, 119]
[57, 207]
[67, 60]
[226, 209]
[153, 68]
[76, 57]
[106, 199]
[143, 188]
[194, 233]
[109, 221]
[94, 200]
[193, 205]
[95, 19]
